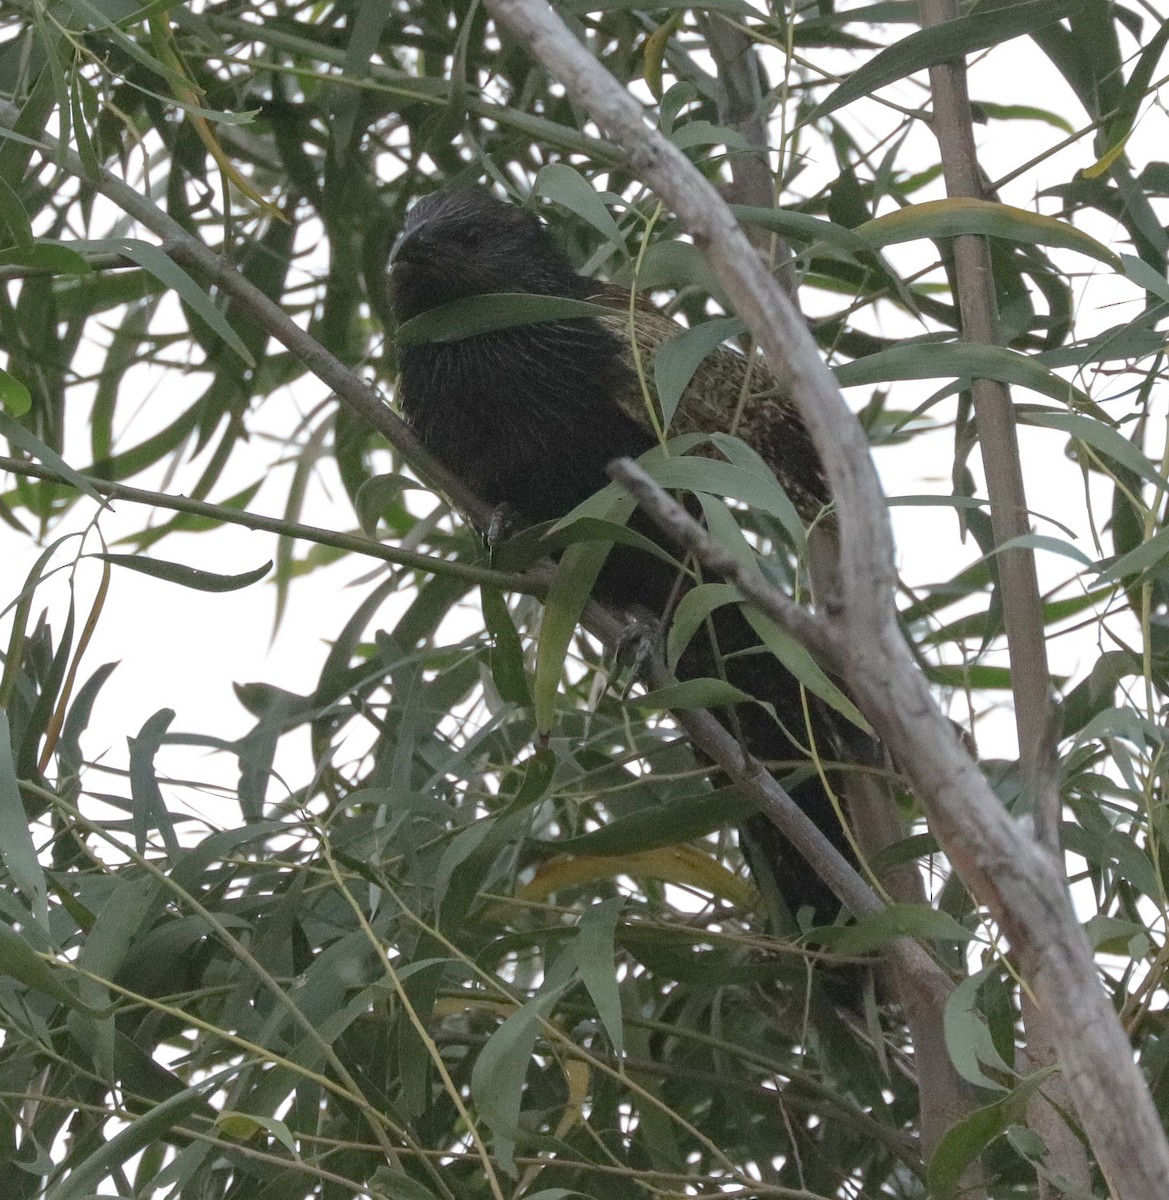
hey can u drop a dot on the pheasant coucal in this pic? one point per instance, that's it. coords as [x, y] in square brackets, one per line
[529, 416]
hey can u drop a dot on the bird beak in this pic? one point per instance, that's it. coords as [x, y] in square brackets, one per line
[402, 241]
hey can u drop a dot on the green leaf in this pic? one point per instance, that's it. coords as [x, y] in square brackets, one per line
[497, 1079]
[569, 592]
[677, 97]
[1053, 545]
[150, 258]
[675, 363]
[691, 612]
[1111, 935]
[538, 774]
[968, 1037]
[55, 258]
[958, 216]
[156, 1123]
[83, 106]
[98, 19]
[576, 572]
[1143, 275]
[692, 693]
[802, 227]
[1148, 556]
[894, 921]
[737, 8]
[16, 844]
[961, 360]
[184, 575]
[594, 951]
[568, 188]
[705, 133]
[507, 653]
[376, 495]
[13, 217]
[14, 395]
[247, 1125]
[684, 819]
[1111, 443]
[1136, 89]
[25, 965]
[942, 43]
[964, 1142]
[33, 446]
[796, 658]
[474, 315]
[747, 457]
[396, 1185]
[130, 908]
[1023, 112]
[695, 474]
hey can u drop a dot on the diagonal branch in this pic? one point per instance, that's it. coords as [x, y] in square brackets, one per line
[1021, 884]
[703, 729]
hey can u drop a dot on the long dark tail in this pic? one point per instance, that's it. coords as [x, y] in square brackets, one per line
[729, 648]
[801, 725]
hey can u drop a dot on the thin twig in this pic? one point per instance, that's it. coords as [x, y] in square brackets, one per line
[530, 585]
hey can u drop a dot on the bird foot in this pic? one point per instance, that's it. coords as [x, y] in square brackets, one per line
[502, 525]
[640, 640]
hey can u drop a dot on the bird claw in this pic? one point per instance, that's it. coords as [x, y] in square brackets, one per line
[501, 526]
[639, 641]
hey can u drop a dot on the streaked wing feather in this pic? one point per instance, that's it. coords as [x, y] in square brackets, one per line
[727, 384]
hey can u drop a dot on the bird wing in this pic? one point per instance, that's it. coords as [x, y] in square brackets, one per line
[728, 393]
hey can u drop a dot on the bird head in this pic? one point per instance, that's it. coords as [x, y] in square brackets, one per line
[464, 242]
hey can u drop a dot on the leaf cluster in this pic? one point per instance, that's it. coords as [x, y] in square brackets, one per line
[437, 955]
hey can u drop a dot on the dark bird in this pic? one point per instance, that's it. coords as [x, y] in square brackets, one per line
[529, 417]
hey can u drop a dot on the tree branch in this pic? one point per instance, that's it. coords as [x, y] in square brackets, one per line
[1021, 884]
[352, 543]
[953, 127]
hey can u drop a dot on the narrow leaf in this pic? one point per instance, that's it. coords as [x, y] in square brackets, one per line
[170, 274]
[16, 844]
[796, 658]
[474, 315]
[14, 396]
[954, 217]
[896, 920]
[594, 950]
[941, 43]
[186, 576]
[96, 1165]
[568, 188]
[675, 363]
[962, 1144]
[692, 693]
[35, 448]
[960, 360]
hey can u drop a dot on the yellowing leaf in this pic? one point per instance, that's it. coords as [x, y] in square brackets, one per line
[952, 218]
[683, 865]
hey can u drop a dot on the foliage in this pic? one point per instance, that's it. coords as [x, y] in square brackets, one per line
[448, 958]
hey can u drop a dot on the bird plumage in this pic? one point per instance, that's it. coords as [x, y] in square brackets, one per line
[529, 416]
